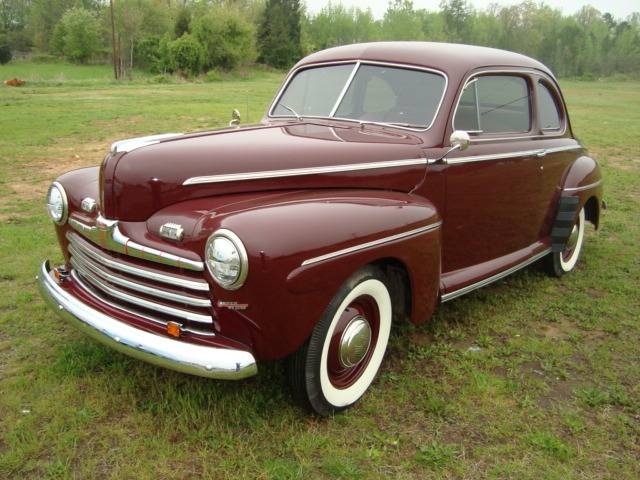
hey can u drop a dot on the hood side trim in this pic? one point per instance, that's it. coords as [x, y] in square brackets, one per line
[294, 172]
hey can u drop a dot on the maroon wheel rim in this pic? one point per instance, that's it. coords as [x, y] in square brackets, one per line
[340, 376]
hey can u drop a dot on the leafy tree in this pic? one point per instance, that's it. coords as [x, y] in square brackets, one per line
[78, 35]
[228, 39]
[187, 55]
[336, 25]
[279, 42]
[457, 15]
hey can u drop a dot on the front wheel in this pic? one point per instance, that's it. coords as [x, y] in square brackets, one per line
[338, 363]
[563, 262]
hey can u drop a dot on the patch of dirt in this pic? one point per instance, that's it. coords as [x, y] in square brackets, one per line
[559, 330]
[421, 338]
[560, 391]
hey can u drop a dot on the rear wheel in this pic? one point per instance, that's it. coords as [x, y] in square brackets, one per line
[563, 262]
[339, 362]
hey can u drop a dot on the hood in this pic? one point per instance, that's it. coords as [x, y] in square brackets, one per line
[137, 183]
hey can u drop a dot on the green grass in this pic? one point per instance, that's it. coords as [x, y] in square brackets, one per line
[552, 393]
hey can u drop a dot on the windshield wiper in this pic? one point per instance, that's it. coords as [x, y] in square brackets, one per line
[407, 125]
[298, 117]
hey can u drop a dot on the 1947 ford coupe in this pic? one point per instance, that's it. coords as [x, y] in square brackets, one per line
[384, 179]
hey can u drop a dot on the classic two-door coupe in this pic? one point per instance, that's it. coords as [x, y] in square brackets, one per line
[384, 179]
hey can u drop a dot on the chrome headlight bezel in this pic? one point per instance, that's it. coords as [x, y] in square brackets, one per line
[65, 203]
[243, 259]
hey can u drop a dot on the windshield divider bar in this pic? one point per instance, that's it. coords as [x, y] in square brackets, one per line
[344, 89]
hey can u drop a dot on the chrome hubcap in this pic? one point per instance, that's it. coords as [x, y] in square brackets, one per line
[355, 341]
[572, 241]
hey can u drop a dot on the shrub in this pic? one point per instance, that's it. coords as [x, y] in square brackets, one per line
[227, 37]
[147, 53]
[186, 55]
[76, 35]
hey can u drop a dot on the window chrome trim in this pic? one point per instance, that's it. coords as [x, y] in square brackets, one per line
[91, 291]
[293, 172]
[84, 247]
[584, 187]
[373, 243]
[344, 89]
[482, 283]
[125, 297]
[359, 62]
[79, 259]
[106, 234]
[522, 71]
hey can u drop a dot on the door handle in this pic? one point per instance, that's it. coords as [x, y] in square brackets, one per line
[541, 154]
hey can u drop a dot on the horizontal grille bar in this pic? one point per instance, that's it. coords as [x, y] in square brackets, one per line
[80, 260]
[116, 264]
[114, 292]
[92, 291]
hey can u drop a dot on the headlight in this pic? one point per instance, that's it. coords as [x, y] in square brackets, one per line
[226, 259]
[57, 204]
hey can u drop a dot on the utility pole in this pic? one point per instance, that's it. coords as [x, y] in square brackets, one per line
[114, 54]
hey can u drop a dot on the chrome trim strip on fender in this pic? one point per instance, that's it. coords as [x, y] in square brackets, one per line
[90, 251]
[107, 234]
[584, 187]
[293, 172]
[482, 283]
[185, 357]
[373, 243]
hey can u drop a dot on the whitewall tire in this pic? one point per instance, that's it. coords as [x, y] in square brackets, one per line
[343, 355]
[566, 260]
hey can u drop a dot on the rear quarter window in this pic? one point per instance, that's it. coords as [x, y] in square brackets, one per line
[548, 110]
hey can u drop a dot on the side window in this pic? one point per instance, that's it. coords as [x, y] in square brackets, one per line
[502, 105]
[548, 109]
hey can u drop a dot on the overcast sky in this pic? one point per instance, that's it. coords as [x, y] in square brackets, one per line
[618, 8]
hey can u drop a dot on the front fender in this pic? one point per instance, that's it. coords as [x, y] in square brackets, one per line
[302, 246]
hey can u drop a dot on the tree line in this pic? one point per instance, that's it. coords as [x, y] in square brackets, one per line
[189, 37]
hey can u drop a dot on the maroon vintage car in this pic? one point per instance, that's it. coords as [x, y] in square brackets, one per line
[385, 178]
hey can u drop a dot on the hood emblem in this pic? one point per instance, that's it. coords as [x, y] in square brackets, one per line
[88, 205]
[172, 231]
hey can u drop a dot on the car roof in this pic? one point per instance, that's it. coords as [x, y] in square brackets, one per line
[450, 58]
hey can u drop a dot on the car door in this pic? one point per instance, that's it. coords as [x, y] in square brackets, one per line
[493, 187]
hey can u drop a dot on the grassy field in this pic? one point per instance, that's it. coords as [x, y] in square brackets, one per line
[553, 392]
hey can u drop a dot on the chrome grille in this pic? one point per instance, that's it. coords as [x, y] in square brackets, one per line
[130, 282]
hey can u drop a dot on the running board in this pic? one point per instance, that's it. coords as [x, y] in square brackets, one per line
[494, 278]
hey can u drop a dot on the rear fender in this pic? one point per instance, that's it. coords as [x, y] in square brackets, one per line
[583, 180]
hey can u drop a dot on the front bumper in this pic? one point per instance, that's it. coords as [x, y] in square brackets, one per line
[200, 360]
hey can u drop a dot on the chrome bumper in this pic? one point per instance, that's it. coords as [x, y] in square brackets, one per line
[200, 360]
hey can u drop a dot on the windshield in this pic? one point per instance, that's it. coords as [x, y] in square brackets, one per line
[365, 93]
